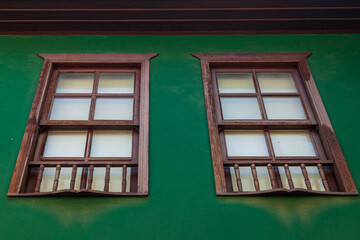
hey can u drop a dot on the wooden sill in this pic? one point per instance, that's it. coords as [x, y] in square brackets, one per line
[288, 192]
[78, 193]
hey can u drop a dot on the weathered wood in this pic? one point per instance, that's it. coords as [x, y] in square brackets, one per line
[306, 177]
[90, 177]
[39, 178]
[238, 179]
[271, 175]
[288, 176]
[107, 178]
[323, 177]
[56, 179]
[73, 177]
[124, 173]
[256, 181]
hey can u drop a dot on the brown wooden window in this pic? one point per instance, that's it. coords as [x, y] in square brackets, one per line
[269, 131]
[87, 132]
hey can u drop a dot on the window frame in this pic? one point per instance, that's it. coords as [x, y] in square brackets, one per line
[318, 119]
[40, 111]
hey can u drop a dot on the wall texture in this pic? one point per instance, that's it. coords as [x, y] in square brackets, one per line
[182, 202]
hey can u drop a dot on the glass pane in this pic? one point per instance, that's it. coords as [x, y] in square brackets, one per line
[65, 178]
[114, 108]
[116, 83]
[263, 178]
[115, 184]
[240, 108]
[292, 143]
[47, 181]
[98, 179]
[233, 180]
[70, 109]
[111, 144]
[284, 108]
[283, 178]
[296, 176]
[247, 180]
[65, 144]
[315, 178]
[75, 83]
[235, 83]
[276, 82]
[245, 143]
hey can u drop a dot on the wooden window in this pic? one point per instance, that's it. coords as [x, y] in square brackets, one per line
[87, 132]
[269, 131]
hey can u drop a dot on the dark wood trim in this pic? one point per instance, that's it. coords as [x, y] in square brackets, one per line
[318, 123]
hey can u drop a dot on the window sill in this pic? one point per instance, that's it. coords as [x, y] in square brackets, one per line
[78, 193]
[288, 192]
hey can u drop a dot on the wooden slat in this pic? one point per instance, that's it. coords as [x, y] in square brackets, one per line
[124, 173]
[306, 177]
[57, 175]
[271, 175]
[265, 162]
[107, 178]
[238, 179]
[39, 178]
[90, 177]
[323, 177]
[256, 181]
[288, 176]
[73, 177]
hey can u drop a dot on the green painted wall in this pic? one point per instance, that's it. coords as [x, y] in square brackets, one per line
[182, 202]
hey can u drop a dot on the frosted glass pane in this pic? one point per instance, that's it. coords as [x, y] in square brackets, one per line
[65, 178]
[284, 108]
[75, 83]
[276, 82]
[116, 83]
[115, 184]
[235, 83]
[315, 178]
[233, 180]
[240, 108]
[245, 143]
[247, 180]
[292, 143]
[114, 108]
[263, 178]
[296, 176]
[47, 181]
[65, 144]
[70, 109]
[111, 144]
[99, 179]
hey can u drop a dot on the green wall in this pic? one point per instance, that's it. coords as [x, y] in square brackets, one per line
[182, 203]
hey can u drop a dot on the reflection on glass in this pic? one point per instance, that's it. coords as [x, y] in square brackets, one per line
[47, 181]
[247, 179]
[114, 109]
[292, 143]
[111, 144]
[284, 108]
[116, 83]
[70, 109]
[240, 108]
[65, 144]
[263, 178]
[245, 143]
[235, 83]
[276, 82]
[98, 183]
[115, 184]
[75, 83]
[315, 178]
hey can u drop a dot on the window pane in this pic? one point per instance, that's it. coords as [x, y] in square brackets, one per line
[65, 144]
[315, 178]
[292, 143]
[276, 82]
[247, 179]
[114, 109]
[65, 178]
[240, 108]
[116, 83]
[98, 179]
[75, 83]
[245, 143]
[284, 108]
[111, 144]
[47, 181]
[235, 83]
[263, 178]
[70, 109]
[115, 184]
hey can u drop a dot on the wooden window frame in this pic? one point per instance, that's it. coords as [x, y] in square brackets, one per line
[317, 120]
[32, 142]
